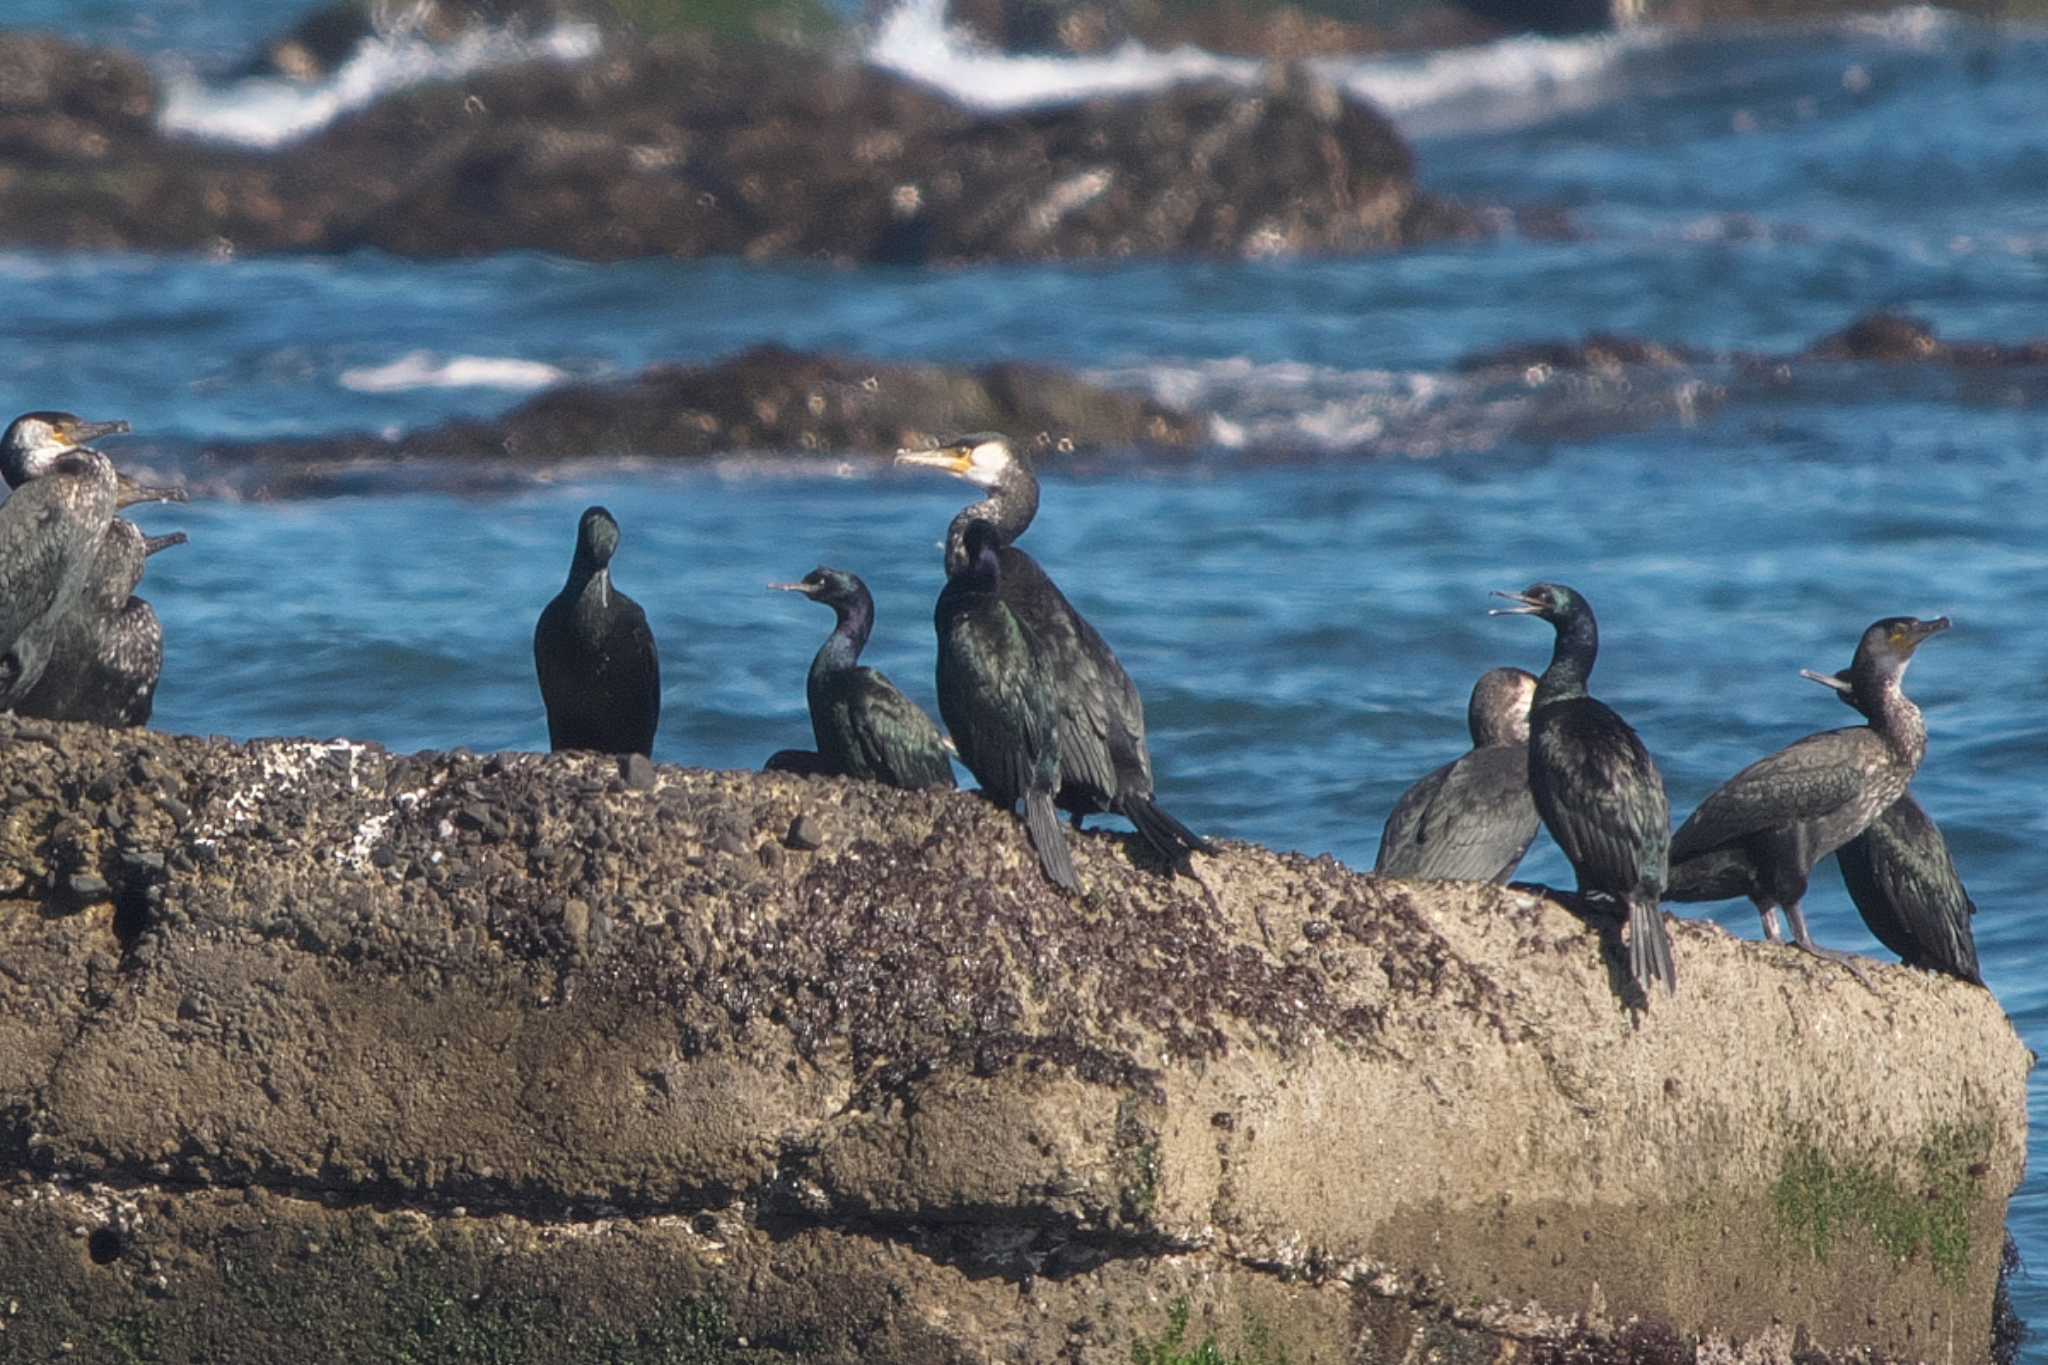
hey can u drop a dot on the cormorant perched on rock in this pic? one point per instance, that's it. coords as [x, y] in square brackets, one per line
[599, 676]
[864, 726]
[51, 529]
[1104, 763]
[1473, 818]
[35, 440]
[997, 697]
[1904, 882]
[1595, 784]
[1784, 813]
[108, 651]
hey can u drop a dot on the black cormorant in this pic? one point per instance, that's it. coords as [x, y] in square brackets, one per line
[1473, 818]
[1904, 882]
[1762, 831]
[1595, 784]
[34, 440]
[864, 726]
[997, 698]
[1104, 763]
[108, 652]
[599, 676]
[51, 529]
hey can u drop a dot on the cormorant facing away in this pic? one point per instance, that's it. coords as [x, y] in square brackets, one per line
[1595, 784]
[864, 726]
[108, 652]
[996, 696]
[51, 529]
[1473, 818]
[599, 676]
[1784, 813]
[1903, 880]
[1104, 763]
[36, 440]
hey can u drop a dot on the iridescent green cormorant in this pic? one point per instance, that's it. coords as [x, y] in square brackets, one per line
[1903, 880]
[1595, 784]
[35, 440]
[51, 529]
[1770, 823]
[108, 652]
[1104, 763]
[599, 676]
[864, 726]
[997, 698]
[1473, 818]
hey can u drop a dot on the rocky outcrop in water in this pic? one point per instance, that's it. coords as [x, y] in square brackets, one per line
[1884, 338]
[764, 399]
[685, 147]
[313, 1051]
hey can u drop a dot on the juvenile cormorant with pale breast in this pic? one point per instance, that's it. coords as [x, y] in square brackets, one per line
[1472, 819]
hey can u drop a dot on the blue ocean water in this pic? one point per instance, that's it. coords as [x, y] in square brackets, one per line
[1304, 604]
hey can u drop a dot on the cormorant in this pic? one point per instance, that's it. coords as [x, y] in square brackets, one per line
[1473, 818]
[1762, 831]
[35, 440]
[599, 676]
[1595, 784]
[1903, 880]
[1104, 763]
[996, 695]
[108, 651]
[864, 726]
[51, 529]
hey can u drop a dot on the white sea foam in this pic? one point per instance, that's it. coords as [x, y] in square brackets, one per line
[267, 112]
[915, 41]
[425, 370]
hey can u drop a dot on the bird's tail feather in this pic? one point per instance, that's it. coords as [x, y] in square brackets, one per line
[1649, 947]
[1173, 839]
[1042, 823]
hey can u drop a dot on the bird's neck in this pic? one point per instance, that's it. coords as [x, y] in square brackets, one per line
[1898, 721]
[1009, 508]
[590, 583]
[842, 647]
[1571, 661]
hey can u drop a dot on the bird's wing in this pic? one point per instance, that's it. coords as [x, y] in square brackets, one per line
[1801, 782]
[1601, 795]
[1093, 692]
[1470, 820]
[1903, 880]
[892, 735]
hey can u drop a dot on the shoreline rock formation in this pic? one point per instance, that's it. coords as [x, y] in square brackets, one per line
[307, 1047]
[687, 147]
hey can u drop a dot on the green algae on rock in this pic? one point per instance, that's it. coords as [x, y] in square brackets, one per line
[504, 1055]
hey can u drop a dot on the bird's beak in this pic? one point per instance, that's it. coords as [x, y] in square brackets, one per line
[127, 492]
[1528, 607]
[1825, 680]
[803, 588]
[82, 432]
[151, 544]
[1924, 630]
[954, 460]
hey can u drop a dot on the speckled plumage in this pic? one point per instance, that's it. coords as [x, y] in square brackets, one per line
[1904, 882]
[50, 532]
[108, 652]
[1474, 818]
[1105, 763]
[998, 701]
[1595, 785]
[1787, 811]
[600, 678]
[864, 726]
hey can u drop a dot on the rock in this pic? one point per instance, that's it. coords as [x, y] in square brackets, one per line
[1882, 338]
[637, 772]
[677, 146]
[805, 834]
[767, 398]
[897, 1100]
[1273, 31]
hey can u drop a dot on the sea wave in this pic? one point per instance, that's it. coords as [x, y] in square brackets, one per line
[269, 111]
[425, 370]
